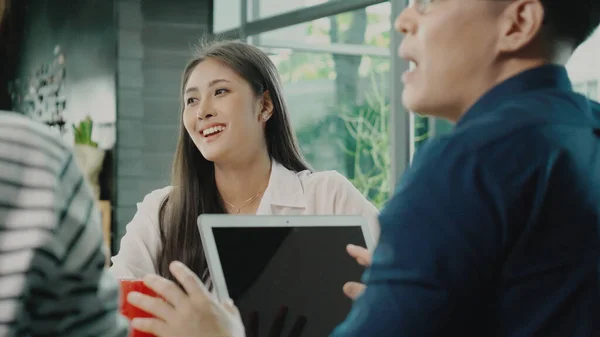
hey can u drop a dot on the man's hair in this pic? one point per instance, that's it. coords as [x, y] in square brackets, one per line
[572, 21]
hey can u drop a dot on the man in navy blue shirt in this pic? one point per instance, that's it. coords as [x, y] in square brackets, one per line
[494, 229]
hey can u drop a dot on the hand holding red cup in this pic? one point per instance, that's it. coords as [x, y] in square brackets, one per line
[130, 311]
[186, 310]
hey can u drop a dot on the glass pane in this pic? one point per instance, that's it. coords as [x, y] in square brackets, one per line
[442, 126]
[227, 14]
[584, 68]
[266, 8]
[340, 109]
[367, 26]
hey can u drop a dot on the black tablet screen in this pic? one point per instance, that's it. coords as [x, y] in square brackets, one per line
[299, 271]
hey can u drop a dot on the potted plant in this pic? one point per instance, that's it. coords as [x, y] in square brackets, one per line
[88, 156]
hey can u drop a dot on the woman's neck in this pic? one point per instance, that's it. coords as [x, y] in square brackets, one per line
[241, 186]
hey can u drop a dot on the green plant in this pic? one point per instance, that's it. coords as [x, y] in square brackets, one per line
[361, 131]
[369, 145]
[83, 132]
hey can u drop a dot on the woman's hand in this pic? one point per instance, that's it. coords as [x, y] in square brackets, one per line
[363, 257]
[195, 314]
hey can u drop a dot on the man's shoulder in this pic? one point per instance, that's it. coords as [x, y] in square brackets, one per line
[13, 119]
[26, 128]
[541, 119]
[483, 150]
[23, 140]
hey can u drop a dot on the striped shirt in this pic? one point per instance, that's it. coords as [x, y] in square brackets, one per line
[52, 276]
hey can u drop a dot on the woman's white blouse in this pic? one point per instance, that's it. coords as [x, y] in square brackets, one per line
[288, 193]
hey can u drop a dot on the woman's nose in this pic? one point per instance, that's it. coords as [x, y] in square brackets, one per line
[205, 111]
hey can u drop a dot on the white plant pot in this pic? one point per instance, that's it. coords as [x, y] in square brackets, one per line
[90, 160]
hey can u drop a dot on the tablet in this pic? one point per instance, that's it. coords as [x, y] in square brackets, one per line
[274, 265]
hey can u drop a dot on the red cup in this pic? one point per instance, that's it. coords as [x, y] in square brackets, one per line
[127, 309]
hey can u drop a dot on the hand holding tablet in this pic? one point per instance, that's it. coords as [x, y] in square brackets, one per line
[363, 257]
[196, 312]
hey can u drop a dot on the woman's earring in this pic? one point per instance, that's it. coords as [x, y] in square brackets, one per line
[265, 117]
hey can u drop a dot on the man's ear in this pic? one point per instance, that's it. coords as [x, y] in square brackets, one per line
[266, 110]
[521, 23]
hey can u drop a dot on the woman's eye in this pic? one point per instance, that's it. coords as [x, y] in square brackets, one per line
[190, 101]
[220, 91]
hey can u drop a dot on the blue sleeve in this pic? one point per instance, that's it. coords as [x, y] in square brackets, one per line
[441, 235]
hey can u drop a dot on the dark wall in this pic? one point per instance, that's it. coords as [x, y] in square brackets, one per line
[156, 39]
[11, 38]
[85, 31]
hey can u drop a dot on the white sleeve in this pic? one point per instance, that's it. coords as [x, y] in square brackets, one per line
[349, 201]
[139, 246]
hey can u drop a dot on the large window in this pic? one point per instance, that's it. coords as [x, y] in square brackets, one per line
[337, 90]
[336, 76]
[340, 111]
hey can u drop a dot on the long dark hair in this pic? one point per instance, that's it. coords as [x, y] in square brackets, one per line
[194, 188]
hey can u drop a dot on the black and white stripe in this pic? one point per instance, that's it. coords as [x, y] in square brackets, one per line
[52, 276]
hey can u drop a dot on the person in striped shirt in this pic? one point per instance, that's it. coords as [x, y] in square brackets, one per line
[52, 276]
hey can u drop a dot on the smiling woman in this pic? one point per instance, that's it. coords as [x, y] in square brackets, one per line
[236, 153]
[225, 117]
